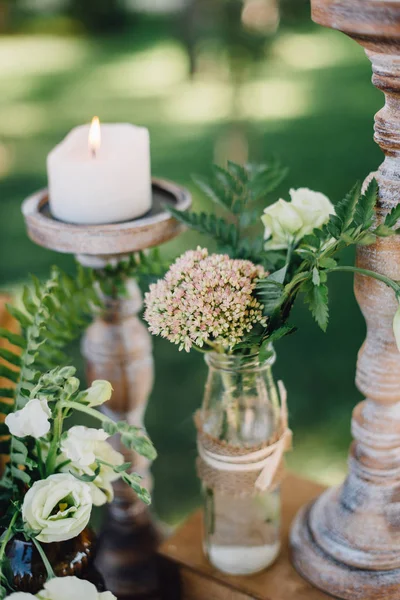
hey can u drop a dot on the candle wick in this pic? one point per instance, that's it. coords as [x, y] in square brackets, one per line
[93, 152]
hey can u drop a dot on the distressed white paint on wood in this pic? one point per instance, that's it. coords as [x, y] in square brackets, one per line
[348, 541]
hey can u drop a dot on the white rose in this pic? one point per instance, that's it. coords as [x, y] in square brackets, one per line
[99, 392]
[282, 223]
[72, 588]
[32, 420]
[288, 222]
[396, 327]
[58, 507]
[314, 208]
[84, 446]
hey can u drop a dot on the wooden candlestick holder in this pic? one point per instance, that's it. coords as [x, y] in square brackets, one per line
[117, 347]
[347, 542]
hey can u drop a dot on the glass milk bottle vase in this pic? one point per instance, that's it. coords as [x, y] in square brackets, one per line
[242, 435]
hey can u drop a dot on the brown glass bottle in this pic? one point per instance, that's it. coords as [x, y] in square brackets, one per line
[72, 557]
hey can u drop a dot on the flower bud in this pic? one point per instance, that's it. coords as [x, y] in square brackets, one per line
[99, 392]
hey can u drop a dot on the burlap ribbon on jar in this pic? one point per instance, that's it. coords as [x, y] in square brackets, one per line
[240, 471]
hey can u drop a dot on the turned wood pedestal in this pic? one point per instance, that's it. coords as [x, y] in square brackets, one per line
[117, 347]
[347, 542]
[186, 574]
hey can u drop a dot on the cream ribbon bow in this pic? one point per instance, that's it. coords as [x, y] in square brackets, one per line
[267, 459]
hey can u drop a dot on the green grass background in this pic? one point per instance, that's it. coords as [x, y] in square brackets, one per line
[310, 102]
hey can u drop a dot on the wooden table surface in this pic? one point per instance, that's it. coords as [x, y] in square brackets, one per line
[279, 582]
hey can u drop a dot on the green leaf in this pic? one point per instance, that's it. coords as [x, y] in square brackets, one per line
[208, 224]
[19, 447]
[87, 478]
[266, 350]
[334, 226]
[315, 276]
[132, 437]
[281, 332]
[13, 338]
[28, 301]
[346, 207]
[239, 172]
[271, 294]
[9, 374]
[278, 276]
[10, 357]
[317, 298]
[21, 317]
[327, 263]
[5, 408]
[132, 479]
[364, 210]
[120, 468]
[7, 392]
[266, 178]
[216, 194]
[392, 218]
[21, 475]
[384, 231]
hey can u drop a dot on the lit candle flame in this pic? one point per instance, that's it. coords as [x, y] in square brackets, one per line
[94, 136]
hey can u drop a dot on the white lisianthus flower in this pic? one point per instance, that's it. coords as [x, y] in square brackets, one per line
[65, 588]
[58, 508]
[80, 444]
[396, 327]
[83, 446]
[288, 222]
[99, 392]
[32, 420]
[72, 588]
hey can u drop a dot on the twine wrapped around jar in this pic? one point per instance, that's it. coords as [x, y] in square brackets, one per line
[241, 471]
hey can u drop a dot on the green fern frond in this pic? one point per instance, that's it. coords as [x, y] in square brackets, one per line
[53, 313]
[238, 190]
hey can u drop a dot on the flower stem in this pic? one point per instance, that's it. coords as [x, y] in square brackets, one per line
[48, 567]
[7, 536]
[40, 460]
[87, 410]
[52, 456]
[367, 273]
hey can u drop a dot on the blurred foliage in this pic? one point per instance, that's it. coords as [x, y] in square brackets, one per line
[308, 101]
[99, 16]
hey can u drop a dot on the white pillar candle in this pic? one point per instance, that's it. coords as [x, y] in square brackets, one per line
[100, 178]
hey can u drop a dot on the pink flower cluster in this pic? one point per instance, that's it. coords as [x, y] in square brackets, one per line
[205, 300]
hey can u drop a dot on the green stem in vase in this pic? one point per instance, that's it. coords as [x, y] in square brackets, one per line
[48, 567]
[5, 538]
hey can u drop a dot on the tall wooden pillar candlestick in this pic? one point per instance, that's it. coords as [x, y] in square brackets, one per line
[348, 541]
[117, 347]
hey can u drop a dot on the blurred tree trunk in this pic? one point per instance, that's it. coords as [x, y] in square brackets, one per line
[100, 16]
[4, 15]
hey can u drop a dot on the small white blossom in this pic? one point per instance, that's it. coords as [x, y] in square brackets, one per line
[57, 508]
[288, 222]
[72, 588]
[65, 588]
[84, 446]
[32, 420]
